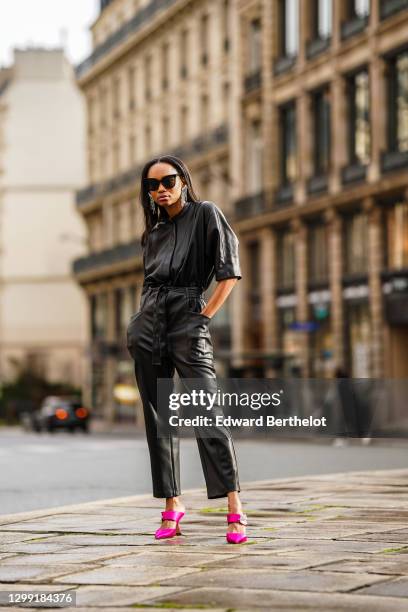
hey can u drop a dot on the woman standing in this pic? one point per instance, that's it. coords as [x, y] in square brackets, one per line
[185, 243]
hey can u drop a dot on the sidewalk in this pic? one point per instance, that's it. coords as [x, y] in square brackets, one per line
[330, 543]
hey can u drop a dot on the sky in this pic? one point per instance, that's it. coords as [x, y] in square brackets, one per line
[47, 23]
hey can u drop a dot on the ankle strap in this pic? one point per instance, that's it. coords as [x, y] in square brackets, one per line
[172, 515]
[237, 518]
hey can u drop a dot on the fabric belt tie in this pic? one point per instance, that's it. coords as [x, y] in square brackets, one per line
[160, 316]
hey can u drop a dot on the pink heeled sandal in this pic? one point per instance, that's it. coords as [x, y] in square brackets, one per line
[169, 532]
[235, 537]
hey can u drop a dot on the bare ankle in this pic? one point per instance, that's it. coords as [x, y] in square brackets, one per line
[234, 503]
[172, 503]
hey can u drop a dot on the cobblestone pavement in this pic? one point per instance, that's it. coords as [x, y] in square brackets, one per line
[330, 543]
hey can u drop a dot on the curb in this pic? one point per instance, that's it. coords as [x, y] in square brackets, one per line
[23, 516]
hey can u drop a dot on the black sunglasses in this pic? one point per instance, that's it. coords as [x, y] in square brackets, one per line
[168, 181]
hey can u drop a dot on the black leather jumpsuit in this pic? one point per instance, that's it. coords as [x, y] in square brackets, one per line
[181, 256]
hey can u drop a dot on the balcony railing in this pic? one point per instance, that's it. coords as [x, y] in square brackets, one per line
[317, 184]
[353, 26]
[253, 81]
[140, 19]
[250, 205]
[284, 63]
[317, 46]
[353, 173]
[106, 258]
[201, 144]
[284, 195]
[389, 7]
[394, 160]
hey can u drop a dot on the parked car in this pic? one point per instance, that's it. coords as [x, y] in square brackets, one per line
[60, 413]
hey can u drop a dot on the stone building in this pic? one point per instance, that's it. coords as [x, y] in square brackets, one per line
[323, 220]
[292, 116]
[161, 78]
[42, 159]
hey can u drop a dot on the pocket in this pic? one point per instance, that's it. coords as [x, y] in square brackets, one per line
[195, 306]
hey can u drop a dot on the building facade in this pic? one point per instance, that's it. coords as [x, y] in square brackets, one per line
[292, 116]
[323, 217]
[42, 157]
[161, 79]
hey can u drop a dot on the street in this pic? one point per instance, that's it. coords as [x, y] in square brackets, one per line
[44, 470]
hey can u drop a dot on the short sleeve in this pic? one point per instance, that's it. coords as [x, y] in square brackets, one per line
[222, 245]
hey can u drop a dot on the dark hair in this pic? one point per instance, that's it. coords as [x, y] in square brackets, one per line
[152, 217]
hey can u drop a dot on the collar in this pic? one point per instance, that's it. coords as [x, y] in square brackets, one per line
[166, 220]
[180, 214]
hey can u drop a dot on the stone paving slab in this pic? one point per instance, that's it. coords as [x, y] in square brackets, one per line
[300, 580]
[246, 600]
[379, 565]
[121, 595]
[6, 538]
[325, 543]
[10, 572]
[394, 588]
[36, 547]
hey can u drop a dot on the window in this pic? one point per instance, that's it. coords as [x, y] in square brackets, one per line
[148, 140]
[92, 167]
[95, 232]
[398, 103]
[225, 98]
[355, 17]
[183, 123]
[289, 27]
[131, 86]
[116, 98]
[184, 53]
[286, 260]
[254, 157]
[226, 23]
[204, 39]
[103, 164]
[397, 236]
[321, 18]
[148, 77]
[254, 40]
[136, 219]
[288, 338]
[321, 130]
[356, 244]
[254, 287]
[318, 253]
[165, 66]
[124, 307]
[120, 223]
[115, 157]
[132, 149]
[165, 130]
[358, 338]
[204, 112]
[103, 96]
[358, 8]
[91, 115]
[359, 118]
[99, 316]
[288, 143]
